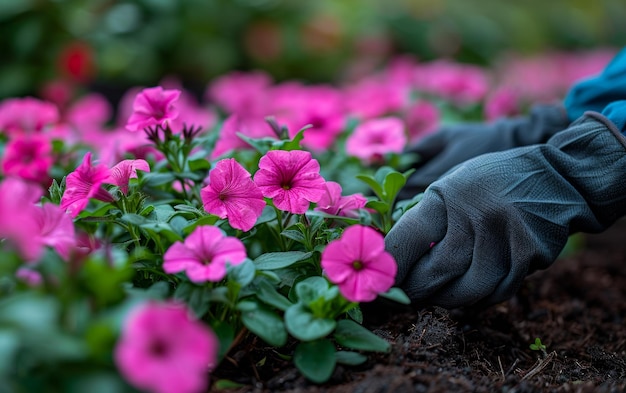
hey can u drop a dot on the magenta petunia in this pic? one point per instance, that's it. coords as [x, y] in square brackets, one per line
[228, 139]
[291, 179]
[83, 184]
[153, 106]
[232, 194]
[56, 229]
[28, 156]
[204, 255]
[18, 223]
[163, 350]
[374, 138]
[125, 170]
[359, 264]
[334, 203]
[27, 115]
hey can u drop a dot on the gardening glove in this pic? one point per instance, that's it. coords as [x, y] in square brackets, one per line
[454, 144]
[492, 220]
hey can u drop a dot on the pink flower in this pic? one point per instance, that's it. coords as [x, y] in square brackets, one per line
[204, 255]
[291, 179]
[124, 171]
[153, 107]
[18, 223]
[56, 229]
[163, 350]
[241, 93]
[90, 112]
[228, 140]
[333, 203]
[375, 96]
[502, 102]
[321, 107]
[232, 194]
[83, 184]
[374, 138]
[28, 115]
[422, 118]
[28, 156]
[29, 276]
[462, 84]
[359, 264]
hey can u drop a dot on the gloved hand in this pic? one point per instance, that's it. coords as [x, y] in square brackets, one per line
[454, 144]
[485, 225]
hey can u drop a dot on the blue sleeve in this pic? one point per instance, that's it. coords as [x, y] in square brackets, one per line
[616, 112]
[595, 93]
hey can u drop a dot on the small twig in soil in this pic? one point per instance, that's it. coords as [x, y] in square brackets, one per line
[501, 369]
[540, 365]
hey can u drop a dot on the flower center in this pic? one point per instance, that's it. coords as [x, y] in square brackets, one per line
[159, 348]
[286, 186]
[357, 265]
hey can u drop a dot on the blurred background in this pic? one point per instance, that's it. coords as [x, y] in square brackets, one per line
[110, 45]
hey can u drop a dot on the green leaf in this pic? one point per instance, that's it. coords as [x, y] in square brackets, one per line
[154, 179]
[223, 384]
[350, 358]
[268, 294]
[316, 360]
[262, 145]
[311, 289]
[225, 334]
[134, 219]
[206, 220]
[352, 335]
[305, 326]
[397, 295]
[199, 301]
[393, 183]
[293, 144]
[379, 206]
[373, 183]
[279, 260]
[243, 274]
[264, 323]
[199, 164]
[294, 235]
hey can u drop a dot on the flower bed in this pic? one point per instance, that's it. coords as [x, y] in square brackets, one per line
[138, 252]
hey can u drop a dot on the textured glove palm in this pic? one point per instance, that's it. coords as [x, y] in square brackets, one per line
[454, 144]
[480, 229]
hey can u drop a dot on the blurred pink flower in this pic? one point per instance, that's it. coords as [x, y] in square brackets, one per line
[241, 93]
[125, 170]
[29, 276]
[359, 264]
[28, 156]
[333, 203]
[18, 223]
[375, 96]
[28, 115]
[90, 112]
[163, 350]
[232, 194]
[422, 118]
[374, 138]
[319, 106]
[153, 106]
[55, 229]
[291, 179]
[501, 102]
[83, 184]
[228, 140]
[204, 255]
[462, 84]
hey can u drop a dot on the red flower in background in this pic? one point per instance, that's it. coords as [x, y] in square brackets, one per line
[76, 62]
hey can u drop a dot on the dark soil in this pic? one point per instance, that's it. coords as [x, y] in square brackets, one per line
[577, 308]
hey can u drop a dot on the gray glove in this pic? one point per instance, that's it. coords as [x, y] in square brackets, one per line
[454, 144]
[481, 228]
